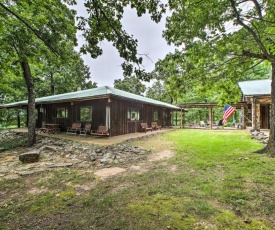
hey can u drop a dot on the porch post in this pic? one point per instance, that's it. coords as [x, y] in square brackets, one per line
[254, 114]
[181, 119]
[258, 115]
[210, 117]
[245, 116]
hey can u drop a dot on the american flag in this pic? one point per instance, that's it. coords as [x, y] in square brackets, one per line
[228, 111]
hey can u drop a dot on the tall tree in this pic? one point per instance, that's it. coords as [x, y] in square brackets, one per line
[29, 26]
[160, 91]
[27, 29]
[130, 84]
[58, 76]
[222, 39]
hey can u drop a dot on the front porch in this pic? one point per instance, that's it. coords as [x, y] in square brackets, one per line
[99, 140]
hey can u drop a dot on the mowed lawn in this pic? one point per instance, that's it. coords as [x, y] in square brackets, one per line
[212, 181]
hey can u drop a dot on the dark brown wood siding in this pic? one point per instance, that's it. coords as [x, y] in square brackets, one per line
[51, 114]
[73, 108]
[119, 122]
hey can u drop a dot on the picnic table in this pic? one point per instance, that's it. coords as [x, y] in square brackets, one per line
[50, 128]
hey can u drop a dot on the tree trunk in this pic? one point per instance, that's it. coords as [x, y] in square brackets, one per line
[52, 83]
[31, 101]
[271, 142]
[18, 118]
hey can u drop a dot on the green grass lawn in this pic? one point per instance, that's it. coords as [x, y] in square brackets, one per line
[213, 181]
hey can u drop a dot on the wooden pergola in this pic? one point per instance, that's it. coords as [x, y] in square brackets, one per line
[210, 106]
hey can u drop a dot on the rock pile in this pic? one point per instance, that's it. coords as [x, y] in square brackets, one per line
[97, 155]
[55, 153]
[260, 136]
[8, 135]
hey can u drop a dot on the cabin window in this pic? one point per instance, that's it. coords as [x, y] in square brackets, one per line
[62, 113]
[133, 114]
[155, 115]
[86, 113]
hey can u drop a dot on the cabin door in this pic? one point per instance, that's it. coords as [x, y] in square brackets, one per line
[265, 117]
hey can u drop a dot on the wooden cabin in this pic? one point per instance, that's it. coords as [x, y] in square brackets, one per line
[120, 111]
[257, 95]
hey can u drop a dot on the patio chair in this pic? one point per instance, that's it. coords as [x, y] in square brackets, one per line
[191, 124]
[145, 127]
[220, 125]
[155, 125]
[101, 131]
[86, 130]
[202, 124]
[74, 129]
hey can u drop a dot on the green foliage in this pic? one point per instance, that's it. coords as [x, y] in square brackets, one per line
[56, 77]
[159, 91]
[222, 43]
[9, 118]
[104, 23]
[14, 143]
[130, 84]
[56, 67]
[30, 31]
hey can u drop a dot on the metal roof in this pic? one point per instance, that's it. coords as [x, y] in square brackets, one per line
[209, 105]
[90, 94]
[255, 87]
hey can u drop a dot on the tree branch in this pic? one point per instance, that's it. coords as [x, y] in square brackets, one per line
[248, 29]
[253, 55]
[258, 8]
[115, 30]
[30, 28]
[256, 18]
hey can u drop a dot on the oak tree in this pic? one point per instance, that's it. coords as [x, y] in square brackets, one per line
[221, 41]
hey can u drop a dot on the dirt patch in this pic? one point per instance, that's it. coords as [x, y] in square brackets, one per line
[173, 168]
[163, 155]
[140, 168]
[123, 186]
[108, 172]
[80, 189]
[35, 191]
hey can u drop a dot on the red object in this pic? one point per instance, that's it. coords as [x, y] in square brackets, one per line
[228, 111]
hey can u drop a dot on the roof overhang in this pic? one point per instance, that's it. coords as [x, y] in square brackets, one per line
[93, 94]
[209, 105]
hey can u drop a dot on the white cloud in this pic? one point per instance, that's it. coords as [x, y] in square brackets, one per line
[107, 67]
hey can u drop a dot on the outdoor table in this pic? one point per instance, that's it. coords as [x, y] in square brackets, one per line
[50, 128]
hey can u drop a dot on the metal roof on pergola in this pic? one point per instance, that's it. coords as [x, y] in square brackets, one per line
[209, 105]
